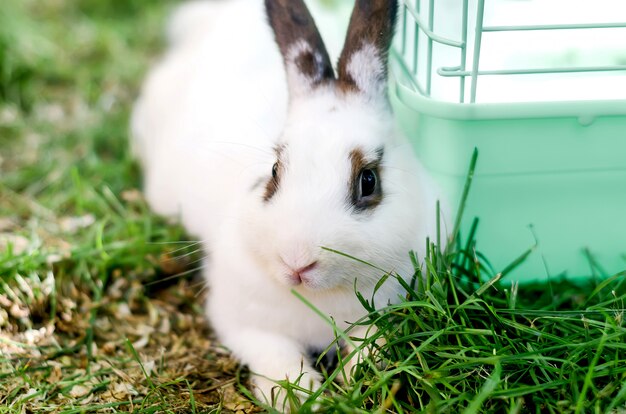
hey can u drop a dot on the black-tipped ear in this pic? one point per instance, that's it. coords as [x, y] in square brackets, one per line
[305, 56]
[363, 61]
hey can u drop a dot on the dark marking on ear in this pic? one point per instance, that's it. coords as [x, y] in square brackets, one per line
[273, 183]
[311, 64]
[358, 164]
[300, 43]
[372, 25]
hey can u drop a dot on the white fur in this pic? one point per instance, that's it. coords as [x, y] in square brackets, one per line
[365, 68]
[190, 21]
[204, 128]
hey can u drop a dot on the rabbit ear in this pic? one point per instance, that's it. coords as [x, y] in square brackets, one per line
[363, 61]
[306, 60]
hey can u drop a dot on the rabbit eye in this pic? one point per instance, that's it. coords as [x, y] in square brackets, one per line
[272, 184]
[365, 184]
[367, 191]
[368, 182]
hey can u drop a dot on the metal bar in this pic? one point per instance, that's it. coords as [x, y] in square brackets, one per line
[416, 40]
[413, 7]
[424, 27]
[463, 48]
[554, 27]
[403, 31]
[480, 12]
[457, 72]
[413, 80]
[429, 51]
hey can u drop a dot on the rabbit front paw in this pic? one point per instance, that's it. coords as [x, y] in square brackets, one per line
[288, 394]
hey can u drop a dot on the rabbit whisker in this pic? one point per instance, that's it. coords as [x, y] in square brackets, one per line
[175, 276]
[199, 260]
[189, 242]
[181, 256]
[204, 287]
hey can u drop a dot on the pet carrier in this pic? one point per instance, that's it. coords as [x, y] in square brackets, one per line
[539, 88]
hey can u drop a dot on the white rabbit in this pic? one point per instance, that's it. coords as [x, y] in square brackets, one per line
[268, 157]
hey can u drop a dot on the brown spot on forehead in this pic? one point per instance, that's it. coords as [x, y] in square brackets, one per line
[358, 163]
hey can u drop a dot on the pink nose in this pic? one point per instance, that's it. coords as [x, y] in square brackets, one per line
[300, 275]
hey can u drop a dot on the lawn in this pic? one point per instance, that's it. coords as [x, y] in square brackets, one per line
[101, 301]
[88, 318]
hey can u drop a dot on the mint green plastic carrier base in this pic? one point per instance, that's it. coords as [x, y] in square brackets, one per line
[551, 173]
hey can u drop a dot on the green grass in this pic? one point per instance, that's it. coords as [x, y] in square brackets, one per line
[459, 345]
[82, 260]
[465, 340]
[99, 304]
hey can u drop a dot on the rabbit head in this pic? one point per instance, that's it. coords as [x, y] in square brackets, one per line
[342, 178]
